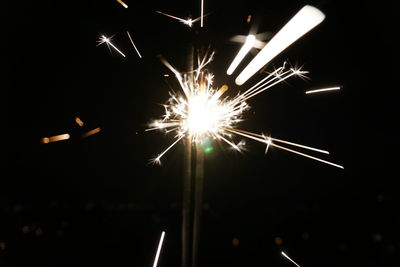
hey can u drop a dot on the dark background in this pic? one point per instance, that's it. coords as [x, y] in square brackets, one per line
[96, 200]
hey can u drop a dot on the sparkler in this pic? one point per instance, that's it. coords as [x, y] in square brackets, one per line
[103, 39]
[287, 257]
[200, 112]
[323, 90]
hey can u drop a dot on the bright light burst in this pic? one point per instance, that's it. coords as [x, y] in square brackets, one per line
[103, 39]
[199, 112]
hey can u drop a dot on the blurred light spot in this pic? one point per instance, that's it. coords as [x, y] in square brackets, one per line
[235, 242]
[207, 146]
[377, 237]
[379, 198]
[25, 229]
[166, 75]
[248, 19]
[60, 234]
[305, 236]
[78, 121]
[2, 245]
[278, 241]
[342, 247]
[39, 232]
[390, 248]
[208, 149]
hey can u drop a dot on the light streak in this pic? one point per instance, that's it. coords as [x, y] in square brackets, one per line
[137, 51]
[202, 9]
[55, 138]
[305, 20]
[323, 90]
[103, 39]
[263, 140]
[287, 257]
[242, 53]
[248, 19]
[122, 3]
[286, 142]
[159, 249]
[188, 21]
[91, 132]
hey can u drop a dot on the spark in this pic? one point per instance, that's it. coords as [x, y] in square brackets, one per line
[202, 9]
[122, 3]
[305, 20]
[248, 19]
[137, 51]
[188, 21]
[242, 53]
[55, 138]
[103, 39]
[159, 249]
[91, 132]
[79, 121]
[268, 142]
[287, 257]
[323, 90]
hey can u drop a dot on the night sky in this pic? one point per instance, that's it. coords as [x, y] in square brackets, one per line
[97, 200]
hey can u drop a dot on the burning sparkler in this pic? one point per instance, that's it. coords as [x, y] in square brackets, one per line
[201, 113]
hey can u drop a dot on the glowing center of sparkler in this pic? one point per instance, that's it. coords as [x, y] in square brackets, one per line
[189, 22]
[203, 114]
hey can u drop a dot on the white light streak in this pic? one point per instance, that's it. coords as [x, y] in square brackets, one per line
[242, 53]
[159, 249]
[263, 140]
[305, 20]
[104, 39]
[202, 9]
[323, 90]
[188, 21]
[287, 257]
[137, 51]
